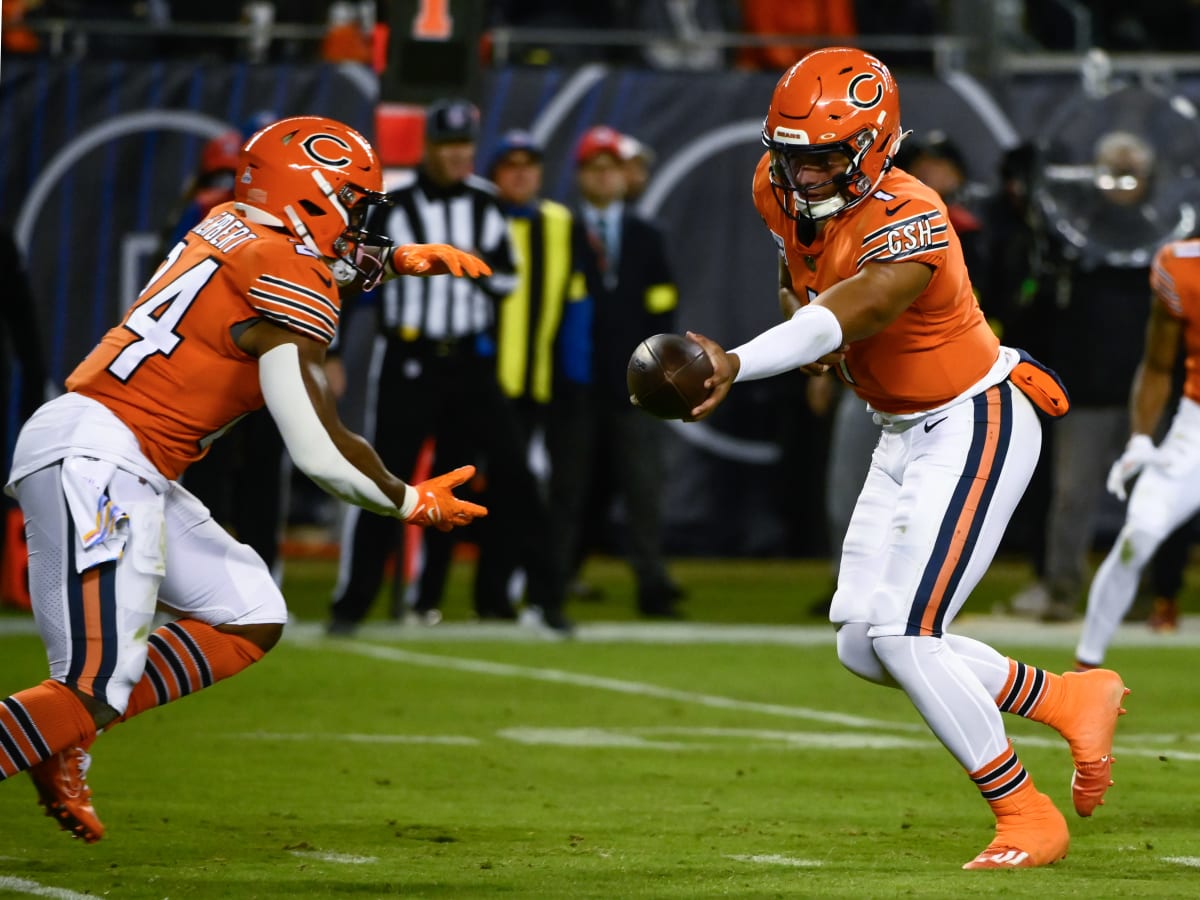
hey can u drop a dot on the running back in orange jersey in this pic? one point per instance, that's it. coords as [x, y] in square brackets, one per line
[171, 370]
[940, 345]
[1175, 280]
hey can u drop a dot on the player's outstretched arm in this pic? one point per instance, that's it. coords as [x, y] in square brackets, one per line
[436, 259]
[343, 463]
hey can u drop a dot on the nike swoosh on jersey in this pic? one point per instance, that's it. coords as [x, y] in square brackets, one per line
[892, 210]
[929, 426]
[328, 282]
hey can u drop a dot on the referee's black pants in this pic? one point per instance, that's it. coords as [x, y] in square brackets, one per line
[448, 392]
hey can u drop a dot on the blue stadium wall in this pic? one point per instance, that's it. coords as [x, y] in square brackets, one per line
[95, 155]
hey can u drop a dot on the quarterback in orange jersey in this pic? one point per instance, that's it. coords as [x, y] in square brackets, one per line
[239, 314]
[873, 275]
[1167, 491]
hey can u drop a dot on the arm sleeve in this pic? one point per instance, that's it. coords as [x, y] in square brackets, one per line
[309, 444]
[804, 338]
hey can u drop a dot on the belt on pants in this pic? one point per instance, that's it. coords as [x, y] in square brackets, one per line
[441, 347]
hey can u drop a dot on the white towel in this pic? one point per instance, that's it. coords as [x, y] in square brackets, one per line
[99, 537]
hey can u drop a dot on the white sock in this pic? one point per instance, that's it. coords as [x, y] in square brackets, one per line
[952, 700]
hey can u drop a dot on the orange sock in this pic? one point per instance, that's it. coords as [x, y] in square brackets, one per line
[38, 722]
[1002, 780]
[1030, 692]
[184, 657]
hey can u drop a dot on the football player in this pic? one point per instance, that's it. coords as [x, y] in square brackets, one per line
[1167, 491]
[886, 303]
[238, 314]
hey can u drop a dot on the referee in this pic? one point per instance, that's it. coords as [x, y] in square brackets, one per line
[433, 374]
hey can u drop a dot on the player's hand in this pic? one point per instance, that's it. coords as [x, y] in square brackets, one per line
[437, 505]
[437, 259]
[725, 369]
[1139, 453]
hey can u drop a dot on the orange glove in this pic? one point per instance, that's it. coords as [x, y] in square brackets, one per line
[437, 505]
[437, 259]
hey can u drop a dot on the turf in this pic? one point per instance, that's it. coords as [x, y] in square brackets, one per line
[384, 766]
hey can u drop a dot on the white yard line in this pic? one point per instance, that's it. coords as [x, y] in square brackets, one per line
[444, 739]
[33, 889]
[1192, 861]
[774, 859]
[643, 689]
[343, 858]
[616, 685]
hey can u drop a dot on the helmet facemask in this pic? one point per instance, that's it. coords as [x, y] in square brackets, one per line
[850, 185]
[356, 252]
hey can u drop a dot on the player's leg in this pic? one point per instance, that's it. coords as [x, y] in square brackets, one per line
[230, 610]
[959, 483]
[1165, 496]
[90, 622]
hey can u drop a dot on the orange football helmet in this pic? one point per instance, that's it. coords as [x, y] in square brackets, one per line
[318, 179]
[835, 100]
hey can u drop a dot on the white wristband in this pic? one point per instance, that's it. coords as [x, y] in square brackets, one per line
[808, 335]
[410, 501]
[307, 441]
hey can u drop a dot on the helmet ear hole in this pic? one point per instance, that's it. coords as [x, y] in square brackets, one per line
[311, 208]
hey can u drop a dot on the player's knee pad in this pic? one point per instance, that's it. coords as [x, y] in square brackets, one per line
[1135, 546]
[856, 652]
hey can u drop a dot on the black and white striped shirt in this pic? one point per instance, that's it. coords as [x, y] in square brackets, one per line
[466, 216]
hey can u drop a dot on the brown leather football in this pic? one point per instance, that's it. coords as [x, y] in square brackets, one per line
[666, 375]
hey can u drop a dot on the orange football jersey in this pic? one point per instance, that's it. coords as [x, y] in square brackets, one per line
[171, 370]
[1175, 279]
[941, 344]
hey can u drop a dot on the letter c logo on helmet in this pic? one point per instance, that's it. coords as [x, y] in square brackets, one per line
[340, 162]
[853, 91]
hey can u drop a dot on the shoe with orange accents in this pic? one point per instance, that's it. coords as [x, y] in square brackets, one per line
[63, 790]
[1030, 832]
[1087, 718]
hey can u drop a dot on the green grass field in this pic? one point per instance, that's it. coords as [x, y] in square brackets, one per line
[673, 762]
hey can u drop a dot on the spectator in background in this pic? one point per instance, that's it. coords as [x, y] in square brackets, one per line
[550, 295]
[434, 376]
[637, 159]
[769, 18]
[1095, 313]
[633, 296]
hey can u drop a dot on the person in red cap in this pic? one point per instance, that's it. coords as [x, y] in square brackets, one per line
[633, 294]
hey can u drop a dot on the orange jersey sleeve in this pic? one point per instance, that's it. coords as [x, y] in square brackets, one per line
[941, 344]
[171, 370]
[1175, 280]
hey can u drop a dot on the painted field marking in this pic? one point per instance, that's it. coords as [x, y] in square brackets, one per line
[752, 737]
[343, 858]
[642, 689]
[616, 685]
[445, 739]
[775, 859]
[1193, 861]
[33, 889]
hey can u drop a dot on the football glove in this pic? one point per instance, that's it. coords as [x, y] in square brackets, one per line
[1139, 453]
[437, 506]
[437, 259]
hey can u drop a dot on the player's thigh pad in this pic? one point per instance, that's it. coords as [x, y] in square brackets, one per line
[95, 623]
[211, 577]
[935, 505]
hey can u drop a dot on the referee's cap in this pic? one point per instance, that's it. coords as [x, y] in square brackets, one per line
[448, 121]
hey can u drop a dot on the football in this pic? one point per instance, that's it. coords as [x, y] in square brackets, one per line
[666, 375]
